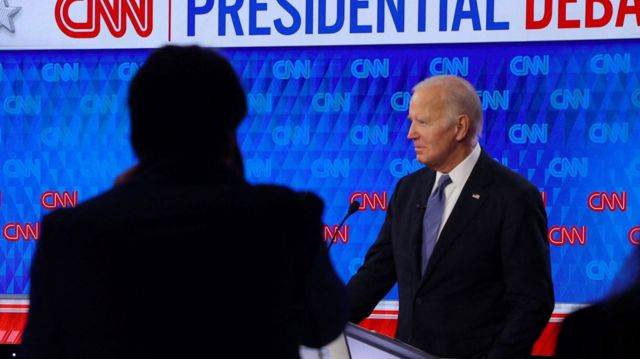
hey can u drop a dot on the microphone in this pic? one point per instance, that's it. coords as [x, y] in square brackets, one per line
[353, 208]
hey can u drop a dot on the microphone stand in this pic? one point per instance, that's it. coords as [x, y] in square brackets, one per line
[353, 208]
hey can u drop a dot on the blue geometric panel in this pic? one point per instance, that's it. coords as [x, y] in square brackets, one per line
[332, 120]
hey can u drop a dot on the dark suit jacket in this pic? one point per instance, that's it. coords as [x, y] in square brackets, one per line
[609, 329]
[487, 288]
[155, 267]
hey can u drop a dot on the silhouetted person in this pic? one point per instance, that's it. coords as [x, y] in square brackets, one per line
[610, 328]
[182, 247]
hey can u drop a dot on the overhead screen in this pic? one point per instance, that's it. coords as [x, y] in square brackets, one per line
[331, 119]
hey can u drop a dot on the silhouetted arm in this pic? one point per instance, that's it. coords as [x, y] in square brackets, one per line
[324, 298]
[41, 335]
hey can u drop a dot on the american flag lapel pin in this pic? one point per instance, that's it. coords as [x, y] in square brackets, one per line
[475, 196]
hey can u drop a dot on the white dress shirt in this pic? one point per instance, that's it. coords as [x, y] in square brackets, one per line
[459, 176]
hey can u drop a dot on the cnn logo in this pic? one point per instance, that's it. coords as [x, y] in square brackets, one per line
[114, 14]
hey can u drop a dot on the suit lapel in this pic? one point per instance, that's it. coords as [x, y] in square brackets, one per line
[425, 186]
[472, 197]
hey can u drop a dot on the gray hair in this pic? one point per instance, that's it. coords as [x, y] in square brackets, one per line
[460, 97]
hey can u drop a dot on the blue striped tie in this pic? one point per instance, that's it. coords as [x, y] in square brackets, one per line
[432, 220]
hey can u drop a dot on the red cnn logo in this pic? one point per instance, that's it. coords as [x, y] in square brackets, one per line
[341, 235]
[52, 200]
[600, 201]
[561, 235]
[371, 200]
[114, 13]
[15, 231]
[634, 235]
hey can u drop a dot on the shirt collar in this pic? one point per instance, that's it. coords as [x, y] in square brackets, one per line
[462, 171]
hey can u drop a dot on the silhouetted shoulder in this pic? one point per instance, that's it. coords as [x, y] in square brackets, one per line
[287, 198]
[61, 219]
[584, 334]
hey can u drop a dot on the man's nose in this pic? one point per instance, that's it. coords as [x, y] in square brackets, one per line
[412, 133]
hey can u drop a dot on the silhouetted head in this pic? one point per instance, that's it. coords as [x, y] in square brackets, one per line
[185, 102]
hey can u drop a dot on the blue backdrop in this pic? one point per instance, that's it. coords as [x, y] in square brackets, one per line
[332, 120]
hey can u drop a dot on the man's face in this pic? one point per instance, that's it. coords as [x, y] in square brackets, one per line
[432, 129]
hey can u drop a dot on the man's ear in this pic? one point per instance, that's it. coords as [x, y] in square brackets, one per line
[463, 126]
